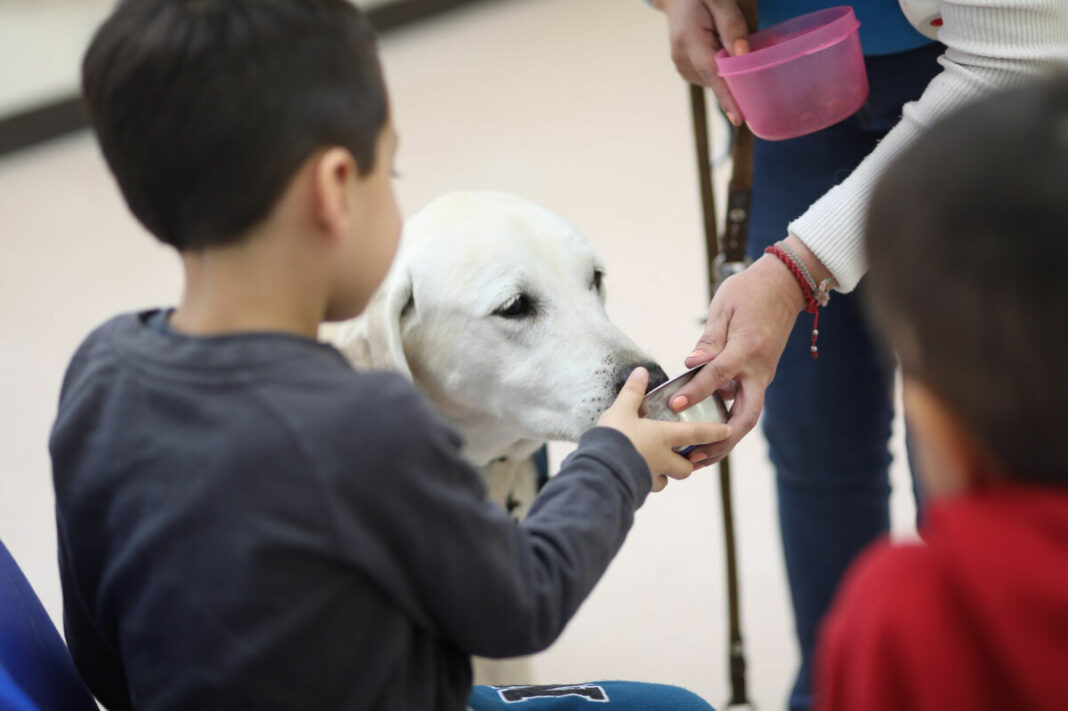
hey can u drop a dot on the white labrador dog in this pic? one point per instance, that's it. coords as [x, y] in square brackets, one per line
[494, 307]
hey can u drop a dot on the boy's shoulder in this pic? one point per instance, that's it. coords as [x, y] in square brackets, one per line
[887, 624]
[309, 385]
[375, 407]
[888, 586]
[916, 625]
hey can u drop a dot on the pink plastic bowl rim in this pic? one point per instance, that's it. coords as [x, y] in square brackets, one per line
[811, 33]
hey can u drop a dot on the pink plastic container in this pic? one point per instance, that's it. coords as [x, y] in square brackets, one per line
[801, 75]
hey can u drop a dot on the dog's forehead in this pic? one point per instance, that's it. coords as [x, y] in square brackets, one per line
[495, 231]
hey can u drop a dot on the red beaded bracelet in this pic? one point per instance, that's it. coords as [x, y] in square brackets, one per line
[815, 296]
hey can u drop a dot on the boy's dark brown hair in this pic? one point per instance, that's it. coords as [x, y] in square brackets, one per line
[205, 109]
[968, 245]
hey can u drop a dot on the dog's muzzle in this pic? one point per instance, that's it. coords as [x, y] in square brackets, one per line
[657, 376]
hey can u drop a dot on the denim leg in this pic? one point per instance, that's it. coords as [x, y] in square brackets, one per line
[828, 421]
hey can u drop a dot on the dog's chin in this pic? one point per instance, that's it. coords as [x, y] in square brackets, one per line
[562, 436]
[568, 431]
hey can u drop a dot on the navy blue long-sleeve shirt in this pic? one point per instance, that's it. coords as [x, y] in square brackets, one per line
[245, 522]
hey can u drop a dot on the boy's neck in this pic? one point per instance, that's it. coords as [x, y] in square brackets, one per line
[258, 284]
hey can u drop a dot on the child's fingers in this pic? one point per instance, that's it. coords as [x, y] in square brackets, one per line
[679, 467]
[630, 397]
[684, 434]
[659, 482]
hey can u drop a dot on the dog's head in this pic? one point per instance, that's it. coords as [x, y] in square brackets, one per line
[495, 307]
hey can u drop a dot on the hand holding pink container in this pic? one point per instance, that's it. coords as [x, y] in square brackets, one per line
[800, 76]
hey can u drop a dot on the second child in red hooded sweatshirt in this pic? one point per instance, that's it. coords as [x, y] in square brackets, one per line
[977, 618]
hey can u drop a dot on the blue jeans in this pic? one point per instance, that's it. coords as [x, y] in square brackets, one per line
[828, 421]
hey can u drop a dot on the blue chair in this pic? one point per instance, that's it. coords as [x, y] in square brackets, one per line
[36, 670]
[12, 697]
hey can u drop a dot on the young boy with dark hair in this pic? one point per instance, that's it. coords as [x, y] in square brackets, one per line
[244, 521]
[968, 246]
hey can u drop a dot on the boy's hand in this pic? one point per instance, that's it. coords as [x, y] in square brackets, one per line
[654, 440]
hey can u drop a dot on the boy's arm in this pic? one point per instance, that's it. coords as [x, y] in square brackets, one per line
[414, 517]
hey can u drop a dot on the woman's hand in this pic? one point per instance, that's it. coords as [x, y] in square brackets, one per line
[697, 30]
[749, 322]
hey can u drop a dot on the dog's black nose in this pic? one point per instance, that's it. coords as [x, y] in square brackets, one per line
[657, 376]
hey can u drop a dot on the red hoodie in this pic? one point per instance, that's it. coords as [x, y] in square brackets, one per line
[975, 619]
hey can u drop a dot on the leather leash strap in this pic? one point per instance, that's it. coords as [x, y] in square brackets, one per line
[721, 263]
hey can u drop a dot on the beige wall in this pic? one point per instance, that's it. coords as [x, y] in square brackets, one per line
[41, 44]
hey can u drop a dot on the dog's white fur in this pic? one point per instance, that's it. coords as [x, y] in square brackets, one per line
[508, 384]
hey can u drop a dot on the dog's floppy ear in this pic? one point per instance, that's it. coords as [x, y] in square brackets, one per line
[374, 340]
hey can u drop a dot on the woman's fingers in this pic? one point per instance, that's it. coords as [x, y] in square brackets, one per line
[716, 374]
[694, 35]
[714, 336]
[701, 56]
[734, 36]
[730, 25]
[746, 408]
[745, 413]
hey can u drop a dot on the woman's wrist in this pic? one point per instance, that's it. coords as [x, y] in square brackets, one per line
[805, 270]
[815, 266]
[779, 281]
[783, 282]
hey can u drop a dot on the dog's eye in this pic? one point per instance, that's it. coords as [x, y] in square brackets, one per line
[598, 280]
[520, 306]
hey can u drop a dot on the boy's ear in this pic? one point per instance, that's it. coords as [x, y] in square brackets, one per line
[333, 174]
[952, 461]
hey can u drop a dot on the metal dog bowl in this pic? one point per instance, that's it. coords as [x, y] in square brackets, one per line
[655, 405]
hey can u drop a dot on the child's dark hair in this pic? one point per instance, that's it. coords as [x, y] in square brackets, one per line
[205, 109]
[968, 246]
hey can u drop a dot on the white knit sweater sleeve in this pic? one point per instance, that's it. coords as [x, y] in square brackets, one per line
[991, 44]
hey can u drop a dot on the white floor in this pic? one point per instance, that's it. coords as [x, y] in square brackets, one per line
[572, 103]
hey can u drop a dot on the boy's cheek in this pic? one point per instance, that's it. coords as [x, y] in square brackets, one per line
[398, 221]
[936, 437]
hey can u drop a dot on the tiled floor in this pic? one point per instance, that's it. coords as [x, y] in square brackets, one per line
[572, 103]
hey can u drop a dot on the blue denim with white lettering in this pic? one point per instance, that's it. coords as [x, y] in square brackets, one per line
[596, 695]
